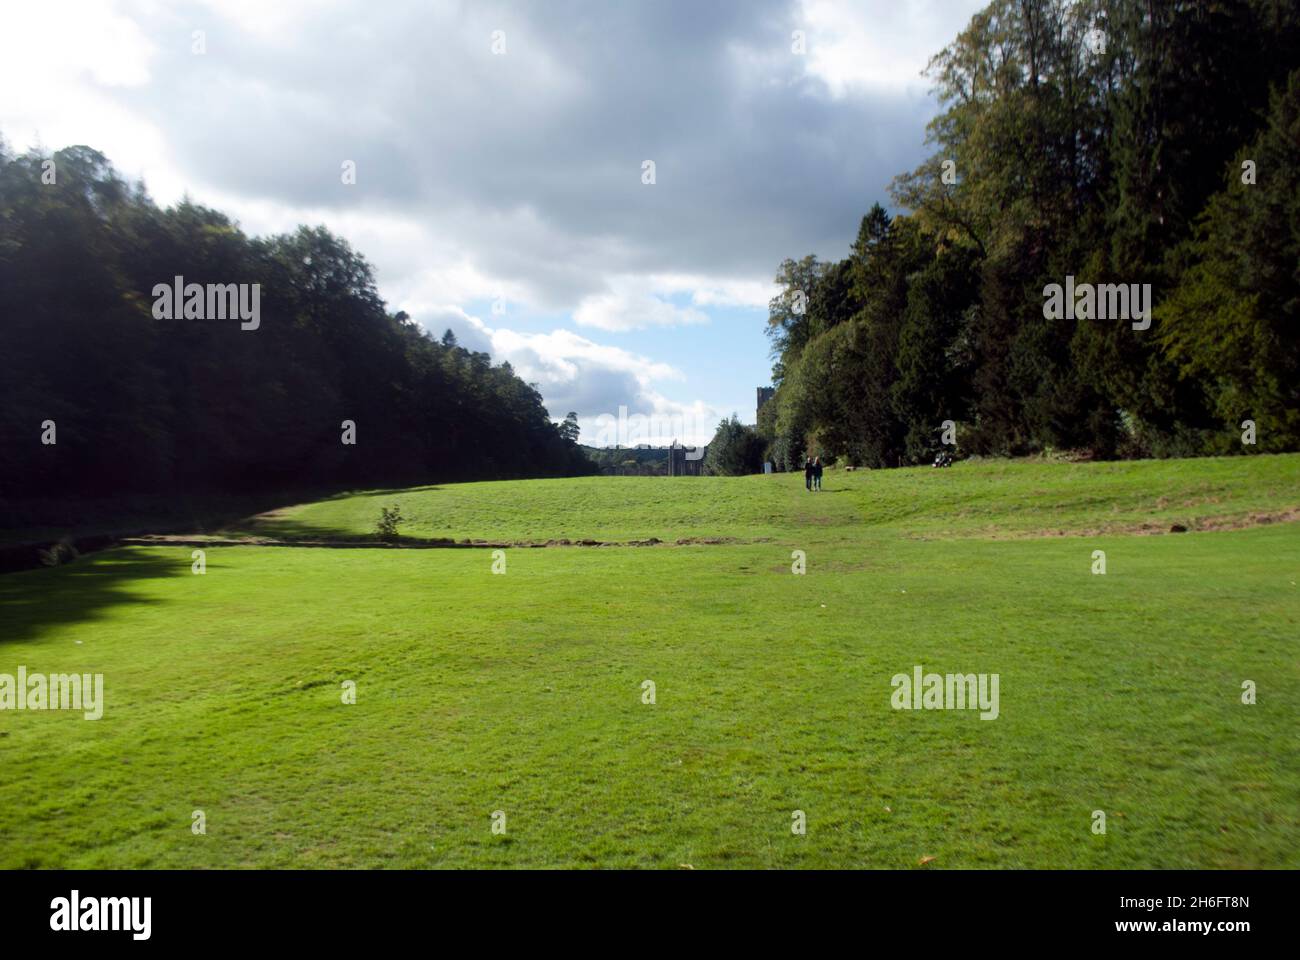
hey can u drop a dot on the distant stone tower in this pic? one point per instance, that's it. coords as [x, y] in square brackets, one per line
[764, 394]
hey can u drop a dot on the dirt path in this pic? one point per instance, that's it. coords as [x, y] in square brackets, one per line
[418, 544]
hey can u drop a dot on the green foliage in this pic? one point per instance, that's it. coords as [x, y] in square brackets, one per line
[1053, 158]
[934, 357]
[569, 428]
[735, 450]
[1230, 324]
[788, 323]
[144, 405]
[389, 518]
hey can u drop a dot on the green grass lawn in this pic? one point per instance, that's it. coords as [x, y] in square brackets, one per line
[990, 499]
[522, 692]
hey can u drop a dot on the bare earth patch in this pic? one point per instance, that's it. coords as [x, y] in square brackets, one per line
[1145, 528]
[413, 543]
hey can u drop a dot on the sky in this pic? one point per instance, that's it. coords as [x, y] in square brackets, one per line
[500, 157]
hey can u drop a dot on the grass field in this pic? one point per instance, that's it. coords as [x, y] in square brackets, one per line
[993, 499]
[522, 692]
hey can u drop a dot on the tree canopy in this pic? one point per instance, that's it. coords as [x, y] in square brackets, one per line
[1105, 140]
[141, 404]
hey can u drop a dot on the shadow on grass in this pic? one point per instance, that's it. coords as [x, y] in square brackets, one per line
[35, 602]
[291, 528]
[41, 521]
[272, 524]
[384, 492]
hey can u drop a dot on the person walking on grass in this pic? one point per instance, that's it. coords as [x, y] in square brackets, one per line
[817, 473]
[807, 473]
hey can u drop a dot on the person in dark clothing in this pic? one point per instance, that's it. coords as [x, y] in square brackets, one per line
[817, 473]
[807, 473]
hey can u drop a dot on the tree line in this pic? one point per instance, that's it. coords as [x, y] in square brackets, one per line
[1108, 141]
[101, 397]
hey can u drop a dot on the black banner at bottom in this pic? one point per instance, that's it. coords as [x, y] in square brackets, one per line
[1182, 908]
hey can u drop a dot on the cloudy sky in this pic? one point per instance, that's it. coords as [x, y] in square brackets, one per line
[499, 192]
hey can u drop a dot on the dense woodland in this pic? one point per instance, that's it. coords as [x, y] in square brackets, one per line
[190, 406]
[1119, 161]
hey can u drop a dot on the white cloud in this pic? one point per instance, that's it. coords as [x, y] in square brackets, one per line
[560, 354]
[725, 292]
[628, 310]
[61, 76]
[881, 46]
[265, 19]
[85, 40]
[615, 392]
[638, 302]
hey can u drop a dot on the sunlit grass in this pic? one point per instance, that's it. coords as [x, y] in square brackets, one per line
[523, 692]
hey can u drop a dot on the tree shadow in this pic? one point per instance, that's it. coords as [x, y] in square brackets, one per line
[44, 521]
[383, 491]
[272, 524]
[36, 602]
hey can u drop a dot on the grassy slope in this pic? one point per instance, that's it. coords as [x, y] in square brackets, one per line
[997, 498]
[522, 692]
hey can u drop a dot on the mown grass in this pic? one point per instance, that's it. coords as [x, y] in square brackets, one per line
[523, 692]
[992, 498]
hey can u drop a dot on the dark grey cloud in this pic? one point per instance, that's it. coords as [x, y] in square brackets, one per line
[530, 162]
